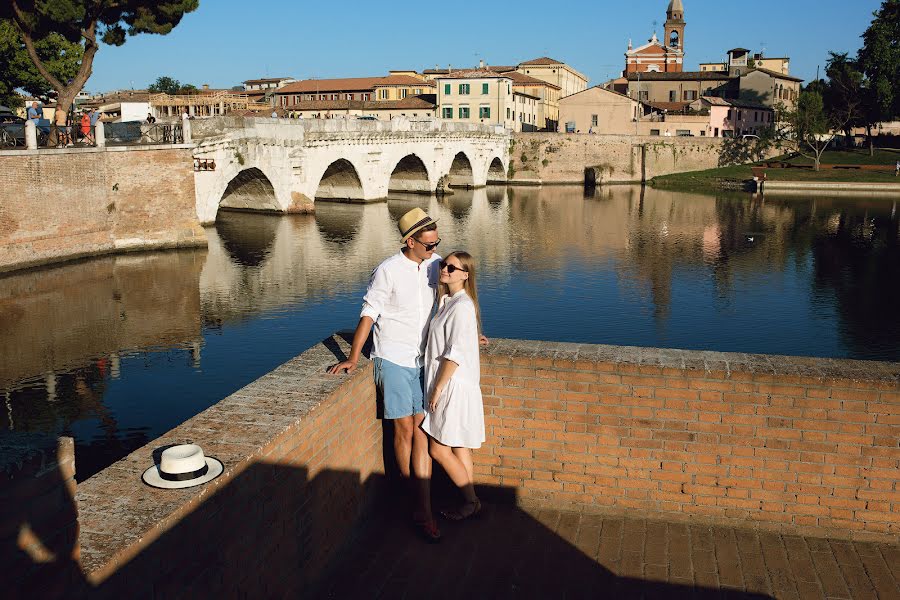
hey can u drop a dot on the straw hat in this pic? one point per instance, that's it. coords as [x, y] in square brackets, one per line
[182, 466]
[413, 221]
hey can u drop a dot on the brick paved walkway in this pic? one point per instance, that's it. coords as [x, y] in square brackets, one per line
[514, 553]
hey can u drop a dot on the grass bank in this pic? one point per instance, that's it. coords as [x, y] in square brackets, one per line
[735, 177]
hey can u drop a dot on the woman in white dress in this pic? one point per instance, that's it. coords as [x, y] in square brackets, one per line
[454, 413]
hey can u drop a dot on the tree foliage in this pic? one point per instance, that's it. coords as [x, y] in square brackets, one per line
[809, 127]
[88, 23]
[170, 85]
[17, 71]
[879, 60]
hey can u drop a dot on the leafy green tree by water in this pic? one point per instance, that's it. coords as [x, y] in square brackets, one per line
[879, 60]
[88, 23]
[17, 71]
[809, 128]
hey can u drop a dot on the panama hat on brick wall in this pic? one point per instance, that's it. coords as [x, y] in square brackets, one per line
[413, 221]
[182, 467]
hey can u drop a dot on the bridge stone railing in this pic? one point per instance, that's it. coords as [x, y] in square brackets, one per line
[217, 126]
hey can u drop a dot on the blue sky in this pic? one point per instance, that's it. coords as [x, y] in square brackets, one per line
[227, 41]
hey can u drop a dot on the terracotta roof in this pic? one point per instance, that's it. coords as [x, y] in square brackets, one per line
[683, 76]
[501, 68]
[522, 79]
[475, 74]
[117, 98]
[668, 106]
[775, 74]
[267, 80]
[422, 102]
[408, 80]
[716, 101]
[542, 61]
[352, 84]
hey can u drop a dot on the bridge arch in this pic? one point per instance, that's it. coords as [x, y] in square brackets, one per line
[461, 173]
[250, 189]
[340, 181]
[410, 175]
[496, 171]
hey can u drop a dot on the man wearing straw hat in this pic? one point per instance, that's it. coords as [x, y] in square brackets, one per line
[398, 303]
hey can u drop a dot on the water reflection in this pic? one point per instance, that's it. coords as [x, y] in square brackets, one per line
[118, 350]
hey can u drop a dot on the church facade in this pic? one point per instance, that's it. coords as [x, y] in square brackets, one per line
[661, 56]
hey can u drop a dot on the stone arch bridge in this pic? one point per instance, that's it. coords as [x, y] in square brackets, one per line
[279, 165]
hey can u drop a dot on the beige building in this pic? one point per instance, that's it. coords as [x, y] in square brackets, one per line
[547, 95]
[598, 110]
[411, 107]
[567, 79]
[485, 96]
[713, 67]
[673, 91]
[398, 87]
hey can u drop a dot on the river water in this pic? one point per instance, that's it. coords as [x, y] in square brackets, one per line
[117, 350]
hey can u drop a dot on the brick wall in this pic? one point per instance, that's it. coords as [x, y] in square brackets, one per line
[803, 445]
[303, 463]
[38, 519]
[63, 204]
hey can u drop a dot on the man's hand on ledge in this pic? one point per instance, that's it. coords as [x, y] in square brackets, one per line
[349, 366]
[483, 341]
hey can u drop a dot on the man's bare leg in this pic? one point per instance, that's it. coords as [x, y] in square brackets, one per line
[403, 443]
[421, 466]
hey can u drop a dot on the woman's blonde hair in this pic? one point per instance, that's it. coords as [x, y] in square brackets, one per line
[469, 285]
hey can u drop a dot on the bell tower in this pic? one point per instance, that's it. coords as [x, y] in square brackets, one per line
[675, 25]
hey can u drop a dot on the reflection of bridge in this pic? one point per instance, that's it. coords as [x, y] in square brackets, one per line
[283, 166]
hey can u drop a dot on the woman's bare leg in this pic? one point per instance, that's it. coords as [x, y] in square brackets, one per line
[465, 457]
[455, 468]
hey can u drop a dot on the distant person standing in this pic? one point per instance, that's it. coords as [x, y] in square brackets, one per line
[897, 169]
[85, 124]
[150, 119]
[186, 115]
[34, 113]
[274, 114]
[95, 116]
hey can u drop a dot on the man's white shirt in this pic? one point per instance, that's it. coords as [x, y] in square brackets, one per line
[400, 299]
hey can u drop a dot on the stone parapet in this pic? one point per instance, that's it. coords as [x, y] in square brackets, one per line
[302, 452]
[298, 128]
[805, 445]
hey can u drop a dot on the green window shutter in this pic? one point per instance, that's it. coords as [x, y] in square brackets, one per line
[484, 88]
[447, 89]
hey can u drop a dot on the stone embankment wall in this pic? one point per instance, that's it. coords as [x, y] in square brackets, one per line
[554, 158]
[795, 444]
[798, 444]
[58, 205]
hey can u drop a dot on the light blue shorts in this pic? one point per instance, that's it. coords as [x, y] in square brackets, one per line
[399, 389]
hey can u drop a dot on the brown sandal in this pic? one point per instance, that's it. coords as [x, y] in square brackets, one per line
[430, 531]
